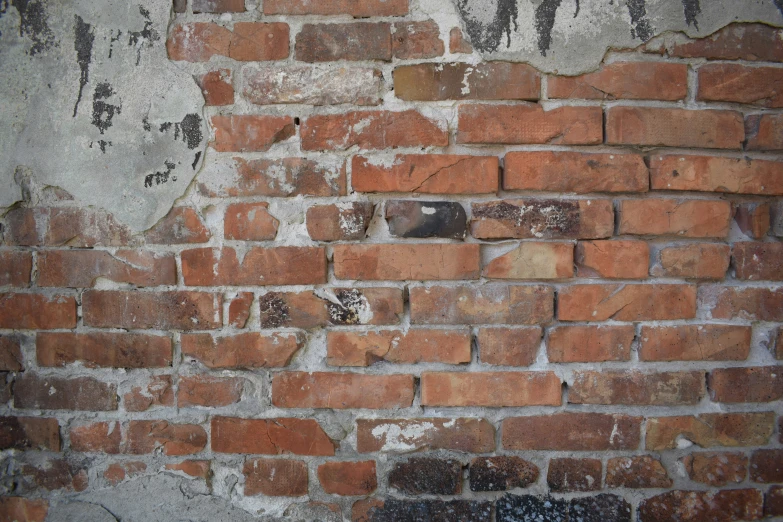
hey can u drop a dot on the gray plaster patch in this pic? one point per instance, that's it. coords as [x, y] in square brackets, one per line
[78, 512]
[571, 36]
[92, 104]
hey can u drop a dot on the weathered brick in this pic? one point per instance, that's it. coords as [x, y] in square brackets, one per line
[270, 436]
[246, 42]
[37, 312]
[753, 218]
[159, 435]
[626, 302]
[156, 391]
[275, 477]
[716, 174]
[533, 260]
[425, 475]
[643, 471]
[753, 384]
[373, 510]
[543, 219]
[752, 42]
[407, 435]
[99, 437]
[348, 41]
[735, 302]
[11, 358]
[23, 509]
[683, 218]
[457, 42]
[119, 471]
[693, 261]
[180, 6]
[604, 508]
[218, 6]
[205, 390]
[766, 465]
[490, 389]
[464, 81]
[74, 227]
[250, 133]
[572, 432]
[427, 174]
[416, 40]
[705, 342]
[348, 478]
[636, 388]
[394, 346]
[509, 346]
[355, 8]
[529, 123]
[695, 506]
[709, 429]
[29, 433]
[99, 349]
[372, 130]
[239, 309]
[260, 266]
[194, 468]
[625, 81]
[493, 304]
[612, 259]
[249, 222]
[568, 344]
[729, 82]
[339, 222]
[501, 473]
[674, 128]
[217, 87]
[32, 391]
[243, 351]
[159, 310]
[716, 469]
[54, 474]
[81, 268]
[567, 475]
[15, 268]
[398, 262]
[181, 225]
[773, 502]
[341, 390]
[758, 261]
[312, 86]
[764, 132]
[575, 172]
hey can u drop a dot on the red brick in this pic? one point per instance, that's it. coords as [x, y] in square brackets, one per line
[716, 469]
[247, 42]
[260, 266]
[218, 6]
[766, 466]
[643, 471]
[529, 123]
[99, 349]
[753, 218]
[249, 222]
[533, 260]
[729, 82]
[543, 219]
[427, 174]
[81, 268]
[764, 132]
[758, 261]
[626, 81]
[270, 437]
[119, 471]
[194, 468]
[464, 81]
[250, 133]
[715, 174]
[394, 346]
[217, 87]
[509, 346]
[349, 41]
[37, 312]
[11, 358]
[693, 261]
[348, 478]
[705, 342]
[697, 506]
[239, 309]
[74, 227]
[372, 130]
[341, 390]
[636, 388]
[416, 40]
[492, 304]
[710, 429]
[275, 477]
[286, 177]
[17, 509]
[674, 128]
[405, 435]
[56, 474]
[243, 351]
[458, 43]
[760, 304]
[755, 384]
[773, 503]
[575, 172]
[490, 389]
[752, 42]
[612, 259]
[339, 222]
[683, 218]
[568, 344]
[572, 432]
[159, 435]
[567, 475]
[157, 391]
[355, 8]
[181, 225]
[205, 390]
[15, 268]
[98, 437]
[29, 433]
[626, 302]
[32, 391]
[402, 262]
[159, 310]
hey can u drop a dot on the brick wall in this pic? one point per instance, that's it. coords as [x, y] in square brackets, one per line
[412, 285]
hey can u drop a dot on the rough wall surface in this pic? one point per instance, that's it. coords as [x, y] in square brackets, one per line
[402, 282]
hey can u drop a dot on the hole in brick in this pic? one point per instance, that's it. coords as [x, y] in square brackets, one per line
[296, 121]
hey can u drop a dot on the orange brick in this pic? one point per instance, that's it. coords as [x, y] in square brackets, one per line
[260, 266]
[37, 312]
[360, 9]
[568, 344]
[99, 349]
[572, 432]
[490, 389]
[509, 346]
[706, 342]
[533, 260]
[612, 259]
[158, 310]
[626, 302]
[348, 478]
[249, 222]
[754, 384]
[684, 218]
[693, 261]
[730, 82]
[205, 390]
[401, 262]
[626, 81]
[270, 436]
[710, 429]
[244, 351]
[247, 42]
[758, 261]
[250, 133]
[715, 174]
[341, 390]
[394, 346]
[636, 388]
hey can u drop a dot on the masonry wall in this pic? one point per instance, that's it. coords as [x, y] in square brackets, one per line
[411, 284]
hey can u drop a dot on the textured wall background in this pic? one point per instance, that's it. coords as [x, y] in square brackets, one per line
[380, 260]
